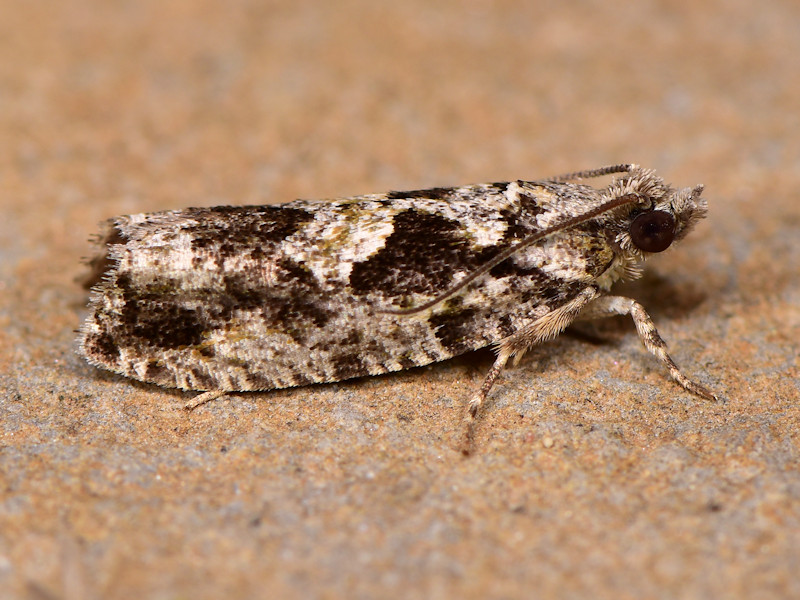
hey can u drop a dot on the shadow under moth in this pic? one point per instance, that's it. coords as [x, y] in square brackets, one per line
[252, 298]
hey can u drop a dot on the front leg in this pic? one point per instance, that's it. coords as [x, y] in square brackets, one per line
[607, 306]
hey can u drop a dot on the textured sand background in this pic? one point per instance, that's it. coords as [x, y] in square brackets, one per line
[595, 475]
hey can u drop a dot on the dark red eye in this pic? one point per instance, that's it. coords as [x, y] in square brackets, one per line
[653, 231]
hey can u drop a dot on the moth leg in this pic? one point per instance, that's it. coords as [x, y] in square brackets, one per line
[608, 306]
[477, 400]
[203, 398]
[543, 328]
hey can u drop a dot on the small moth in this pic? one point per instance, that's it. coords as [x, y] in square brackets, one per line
[256, 298]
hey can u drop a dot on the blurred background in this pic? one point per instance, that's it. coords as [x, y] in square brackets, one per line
[598, 477]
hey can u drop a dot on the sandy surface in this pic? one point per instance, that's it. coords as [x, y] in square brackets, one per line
[594, 475]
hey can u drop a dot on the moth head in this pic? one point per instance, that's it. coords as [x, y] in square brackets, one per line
[659, 215]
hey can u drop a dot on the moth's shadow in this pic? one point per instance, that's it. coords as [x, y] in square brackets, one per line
[663, 296]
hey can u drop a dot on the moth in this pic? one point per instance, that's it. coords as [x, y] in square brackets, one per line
[252, 298]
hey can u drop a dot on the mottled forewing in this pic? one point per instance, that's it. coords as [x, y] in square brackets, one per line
[250, 298]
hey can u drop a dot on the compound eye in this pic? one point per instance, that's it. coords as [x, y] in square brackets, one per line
[653, 231]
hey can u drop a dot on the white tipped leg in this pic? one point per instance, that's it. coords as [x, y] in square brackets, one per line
[607, 306]
[477, 400]
[543, 328]
[203, 398]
